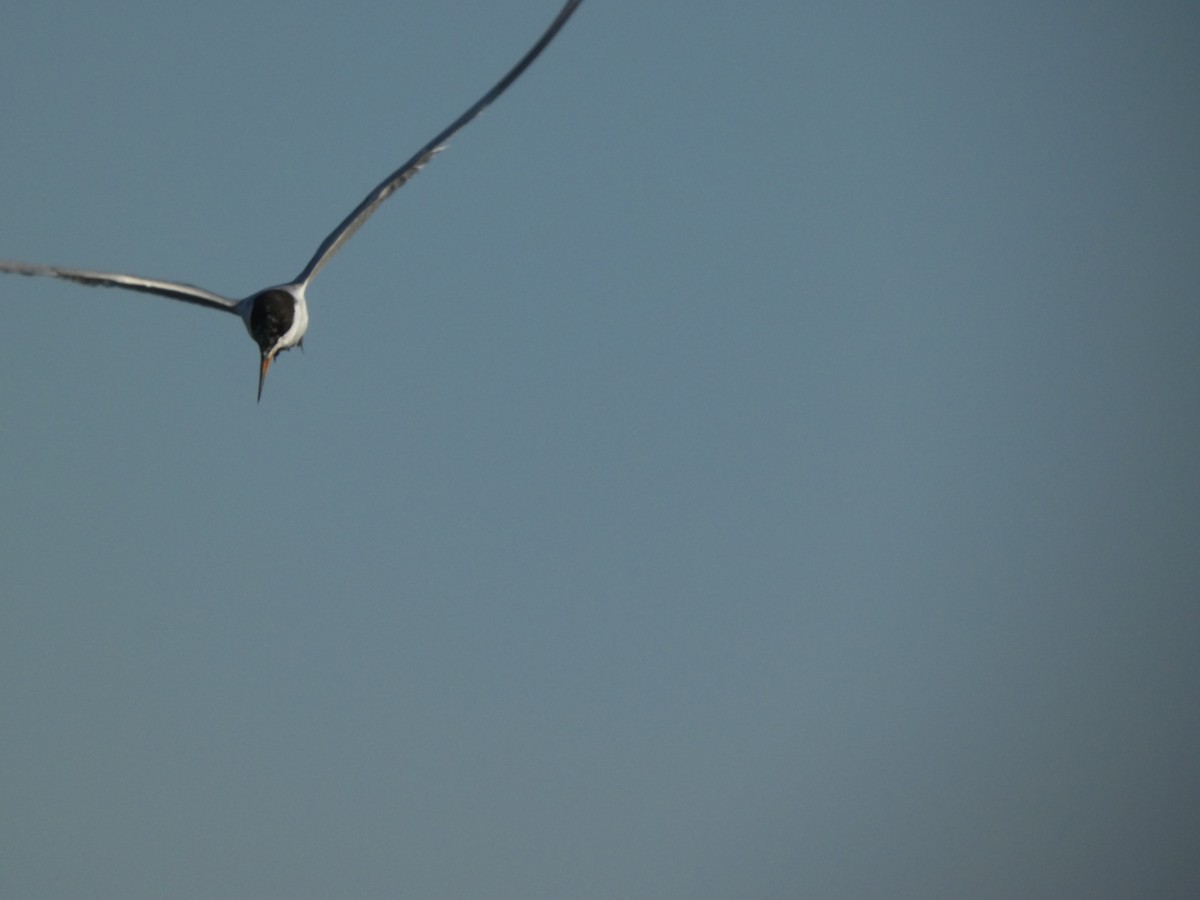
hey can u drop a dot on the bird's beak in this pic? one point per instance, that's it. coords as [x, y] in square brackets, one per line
[262, 373]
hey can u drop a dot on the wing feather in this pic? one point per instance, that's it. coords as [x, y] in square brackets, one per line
[175, 290]
[385, 188]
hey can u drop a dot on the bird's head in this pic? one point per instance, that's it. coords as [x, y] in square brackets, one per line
[277, 320]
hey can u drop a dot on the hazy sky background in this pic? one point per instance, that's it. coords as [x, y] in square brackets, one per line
[760, 459]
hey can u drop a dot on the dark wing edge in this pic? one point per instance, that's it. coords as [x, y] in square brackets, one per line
[371, 202]
[173, 289]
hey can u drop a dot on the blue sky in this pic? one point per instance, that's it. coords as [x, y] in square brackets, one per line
[759, 459]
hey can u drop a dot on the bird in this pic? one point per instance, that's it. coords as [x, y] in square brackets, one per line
[277, 317]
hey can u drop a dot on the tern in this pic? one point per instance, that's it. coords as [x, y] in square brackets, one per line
[277, 317]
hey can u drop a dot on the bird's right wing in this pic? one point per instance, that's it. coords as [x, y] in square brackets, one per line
[173, 289]
[385, 188]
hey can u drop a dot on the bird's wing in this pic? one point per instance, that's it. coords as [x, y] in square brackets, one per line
[175, 290]
[362, 212]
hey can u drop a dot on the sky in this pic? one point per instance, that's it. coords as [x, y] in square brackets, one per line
[760, 458]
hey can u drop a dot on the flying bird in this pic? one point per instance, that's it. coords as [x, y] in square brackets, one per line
[277, 317]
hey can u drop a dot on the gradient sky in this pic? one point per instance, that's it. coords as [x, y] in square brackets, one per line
[760, 459]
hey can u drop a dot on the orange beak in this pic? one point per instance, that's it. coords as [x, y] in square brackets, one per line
[262, 373]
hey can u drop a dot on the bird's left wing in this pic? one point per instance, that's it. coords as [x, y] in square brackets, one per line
[173, 289]
[371, 202]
